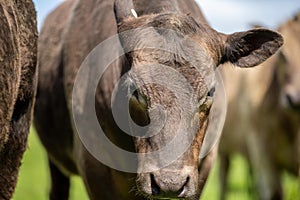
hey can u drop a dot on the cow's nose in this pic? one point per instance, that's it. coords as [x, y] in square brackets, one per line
[293, 99]
[169, 187]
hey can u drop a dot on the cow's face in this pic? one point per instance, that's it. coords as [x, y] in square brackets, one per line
[171, 82]
[174, 81]
[289, 63]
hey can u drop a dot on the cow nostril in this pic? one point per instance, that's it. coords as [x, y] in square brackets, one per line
[293, 101]
[154, 187]
[169, 190]
[290, 100]
[182, 190]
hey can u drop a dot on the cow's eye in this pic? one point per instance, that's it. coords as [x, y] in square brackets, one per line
[206, 103]
[141, 98]
[205, 107]
[211, 92]
[208, 97]
[138, 109]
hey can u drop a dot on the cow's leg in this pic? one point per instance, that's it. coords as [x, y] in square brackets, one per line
[60, 183]
[266, 175]
[298, 154]
[224, 168]
[252, 192]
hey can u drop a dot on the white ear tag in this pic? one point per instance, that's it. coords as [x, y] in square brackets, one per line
[134, 13]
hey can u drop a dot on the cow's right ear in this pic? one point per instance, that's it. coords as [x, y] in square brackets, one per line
[250, 48]
[123, 9]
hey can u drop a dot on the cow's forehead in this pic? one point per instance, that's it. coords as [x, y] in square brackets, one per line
[164, 83]
[168, 32]
[196, 70]
[167, 41]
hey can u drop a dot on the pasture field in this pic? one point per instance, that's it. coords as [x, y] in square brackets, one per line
[34, 179]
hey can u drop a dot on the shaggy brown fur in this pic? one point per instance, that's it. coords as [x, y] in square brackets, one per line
[18, 51]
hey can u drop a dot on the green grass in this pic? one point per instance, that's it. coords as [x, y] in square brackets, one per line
[34, 176]
[34, 180]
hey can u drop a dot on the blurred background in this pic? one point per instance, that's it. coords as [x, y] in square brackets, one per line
[225, 16]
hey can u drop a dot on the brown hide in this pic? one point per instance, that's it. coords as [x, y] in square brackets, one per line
[18, 51]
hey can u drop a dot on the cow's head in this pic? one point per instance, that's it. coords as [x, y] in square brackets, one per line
[172, 68]
[288, 63]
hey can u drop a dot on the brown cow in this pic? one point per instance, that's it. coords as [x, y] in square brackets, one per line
[18, 52]
[263, 116]
[168, 77]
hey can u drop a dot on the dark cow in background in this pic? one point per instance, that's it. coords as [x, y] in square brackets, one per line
[263, 118]
[68, 36]
[18, 52]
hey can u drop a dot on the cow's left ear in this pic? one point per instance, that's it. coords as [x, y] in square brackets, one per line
[250, 48]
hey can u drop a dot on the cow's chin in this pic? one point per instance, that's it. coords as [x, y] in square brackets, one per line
[147, 196]
[194, 197]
